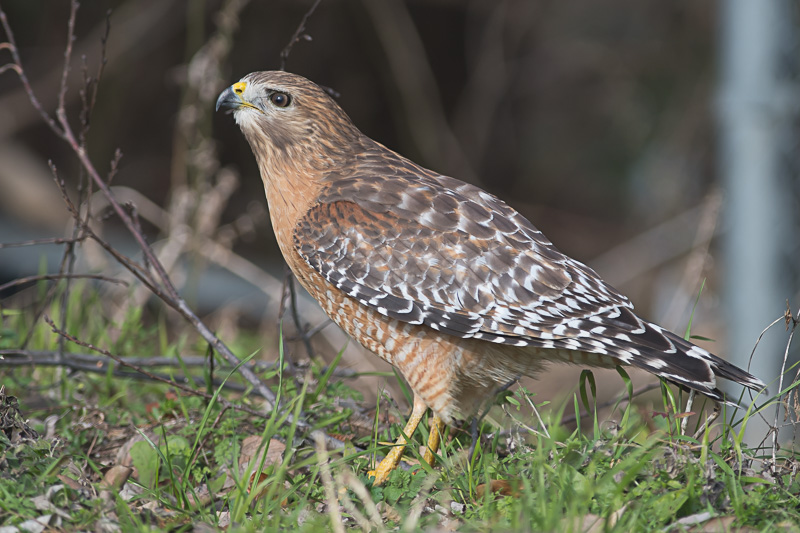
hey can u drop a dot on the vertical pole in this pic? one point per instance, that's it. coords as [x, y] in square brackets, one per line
[755, 107]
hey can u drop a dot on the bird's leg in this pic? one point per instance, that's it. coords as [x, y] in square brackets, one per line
[434, 437]
[390, 462]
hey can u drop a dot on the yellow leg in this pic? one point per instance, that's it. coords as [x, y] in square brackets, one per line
[390, 462]
[437, 429]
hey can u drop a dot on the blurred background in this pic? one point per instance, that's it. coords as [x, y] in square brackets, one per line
[655, 141]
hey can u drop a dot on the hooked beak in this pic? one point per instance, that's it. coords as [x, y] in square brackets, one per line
[228, 99]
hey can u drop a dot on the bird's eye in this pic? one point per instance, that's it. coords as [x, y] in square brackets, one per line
[280, 99]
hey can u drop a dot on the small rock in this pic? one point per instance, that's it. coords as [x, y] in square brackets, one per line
[458, 508]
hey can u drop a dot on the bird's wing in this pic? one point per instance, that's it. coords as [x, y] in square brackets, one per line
[432, 250]
[428, 249]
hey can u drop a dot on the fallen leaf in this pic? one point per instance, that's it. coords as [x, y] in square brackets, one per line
[251, 458]
[250, 447]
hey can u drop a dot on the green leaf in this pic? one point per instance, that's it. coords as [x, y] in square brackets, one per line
[145, 459]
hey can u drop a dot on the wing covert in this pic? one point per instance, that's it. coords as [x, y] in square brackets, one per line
[440, 252]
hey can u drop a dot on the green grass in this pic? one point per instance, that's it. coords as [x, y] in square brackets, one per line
[632, 471]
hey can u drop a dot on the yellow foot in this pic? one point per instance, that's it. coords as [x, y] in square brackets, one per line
[390, 462]
[434, 437]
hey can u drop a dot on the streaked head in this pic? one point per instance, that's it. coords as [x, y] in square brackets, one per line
[284, 114]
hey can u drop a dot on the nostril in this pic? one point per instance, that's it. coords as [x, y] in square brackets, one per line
[239, 87]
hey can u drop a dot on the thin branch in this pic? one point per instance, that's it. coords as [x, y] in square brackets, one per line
[154, 275]
[114, 166]
[62, 91]
[132, 266]
[298, 34]
[11, 45]
[67, 360]
[90, 86]
[47, 277]
[788, 319]
[167, 291]
[302, 424]
[36, 242]
[224, 402]
[312, 331]
[9, 66]
[15, 357]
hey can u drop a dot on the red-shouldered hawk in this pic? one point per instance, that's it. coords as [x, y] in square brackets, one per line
[443, 280]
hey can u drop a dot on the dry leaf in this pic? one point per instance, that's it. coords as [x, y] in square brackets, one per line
[250, 448]
[250, 457]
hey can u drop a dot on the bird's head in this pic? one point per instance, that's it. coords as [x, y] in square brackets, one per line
[288, 119]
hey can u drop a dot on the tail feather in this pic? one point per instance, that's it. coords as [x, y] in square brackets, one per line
[665, 354]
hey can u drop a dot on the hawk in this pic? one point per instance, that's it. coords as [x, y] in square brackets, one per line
[443, 280]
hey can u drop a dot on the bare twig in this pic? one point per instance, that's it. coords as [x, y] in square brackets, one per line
[166, 290]
[312, 331]
[45, 277]
[298, 34]
[89, 94]
[51, 291]
[789, 319]
[100, 365]
[188, 390]
[152, 273]
[15, 357]
[119, 360]
[62, 92]
[139, 271]
[16, 66]
[37, 242]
